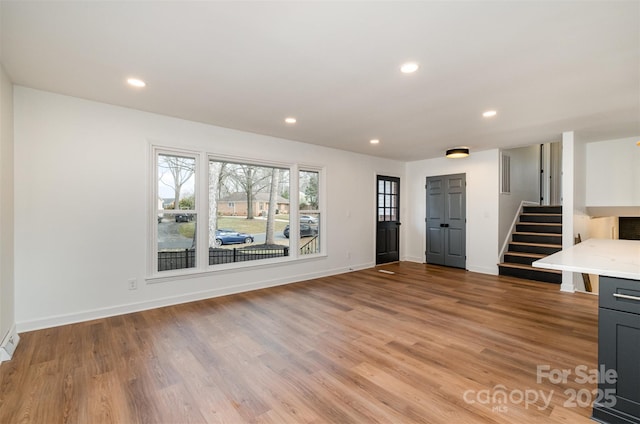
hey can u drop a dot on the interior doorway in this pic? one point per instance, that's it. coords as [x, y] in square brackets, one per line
[446, 220]
[551, 173]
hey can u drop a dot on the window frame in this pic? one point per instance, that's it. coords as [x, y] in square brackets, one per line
[157, 151]
[201, 211]
[320, 211]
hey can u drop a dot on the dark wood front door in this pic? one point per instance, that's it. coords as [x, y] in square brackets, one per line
[388, 219]
[446, 220]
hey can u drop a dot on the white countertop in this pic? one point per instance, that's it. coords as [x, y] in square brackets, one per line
[615, 258]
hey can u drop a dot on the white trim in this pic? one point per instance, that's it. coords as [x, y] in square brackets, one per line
[9, 344]
[413, 259]
[98, 313]
[483, 270]
[172, 275]
[568, 182]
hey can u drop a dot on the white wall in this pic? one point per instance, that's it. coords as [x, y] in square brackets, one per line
[568, 177]
[581, 219]
[525, 185]
[481, 169]
[574, 215]
[6, 207]
[81, 193]
[613, 173]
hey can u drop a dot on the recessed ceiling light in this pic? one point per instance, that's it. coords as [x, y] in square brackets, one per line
[374, 141]
[489, 113]
[290, 120]
[409, 68]
[135, 82]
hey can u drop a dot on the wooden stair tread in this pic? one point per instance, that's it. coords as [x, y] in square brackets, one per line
[540, 214]
[527, 254]
[550, 224]
[528, 267]
[528, 233]
[524, 243]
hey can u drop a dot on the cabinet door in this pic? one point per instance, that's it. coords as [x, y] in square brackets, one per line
[619, 350]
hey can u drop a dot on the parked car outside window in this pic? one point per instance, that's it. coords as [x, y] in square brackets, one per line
[306, 230]
[308, 219]
[226, 236]
[184, 217]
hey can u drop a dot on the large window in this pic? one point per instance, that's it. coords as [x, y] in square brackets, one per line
[248, 212]
[243, 208]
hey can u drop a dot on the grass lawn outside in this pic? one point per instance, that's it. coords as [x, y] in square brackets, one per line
[250, 226]
[239, 224]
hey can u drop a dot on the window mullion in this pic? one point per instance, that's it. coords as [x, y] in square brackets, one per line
[294, 222]
[202, 208]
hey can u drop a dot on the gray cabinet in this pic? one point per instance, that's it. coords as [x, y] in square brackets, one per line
[619, 350]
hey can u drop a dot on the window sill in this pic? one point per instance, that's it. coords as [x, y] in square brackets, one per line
[228, 268]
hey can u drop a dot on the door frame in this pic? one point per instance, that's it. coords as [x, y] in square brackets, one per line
[374, 206]
[426, 211]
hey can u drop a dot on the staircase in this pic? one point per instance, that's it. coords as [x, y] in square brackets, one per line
[537, 234]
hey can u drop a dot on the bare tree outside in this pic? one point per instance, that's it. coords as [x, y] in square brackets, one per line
[273, 206]
[311, 189]
[252, 180]
[215, 171]
[179, 169]
[235, 192]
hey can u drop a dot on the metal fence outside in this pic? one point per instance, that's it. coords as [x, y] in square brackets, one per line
[180, 259]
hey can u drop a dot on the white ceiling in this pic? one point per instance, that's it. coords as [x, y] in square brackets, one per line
[546, 67]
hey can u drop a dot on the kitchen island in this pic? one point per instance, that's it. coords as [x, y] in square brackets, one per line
[617, 262]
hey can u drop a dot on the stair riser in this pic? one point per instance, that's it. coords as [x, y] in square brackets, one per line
[551, 219]
[533, 228]
[533, 249]
[534, 238]
[542, 209]
[515, 259]
[532, 275]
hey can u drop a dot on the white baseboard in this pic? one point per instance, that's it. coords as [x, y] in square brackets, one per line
[415, 259]
[9, 344]
[483, 270]
[58, 320]
[567, 282]
[480, 270]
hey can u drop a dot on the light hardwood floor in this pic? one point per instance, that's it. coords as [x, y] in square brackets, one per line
[420, 346]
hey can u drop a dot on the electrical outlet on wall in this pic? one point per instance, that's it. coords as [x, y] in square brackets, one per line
[133, 284]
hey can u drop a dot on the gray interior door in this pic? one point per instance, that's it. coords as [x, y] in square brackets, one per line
[388, 219]
[446, 220]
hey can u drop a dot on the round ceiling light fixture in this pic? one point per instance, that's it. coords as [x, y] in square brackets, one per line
[374, 141]
[489, 113]
[458, 152]
[290, 120]
[409, 67]
[136, 82]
